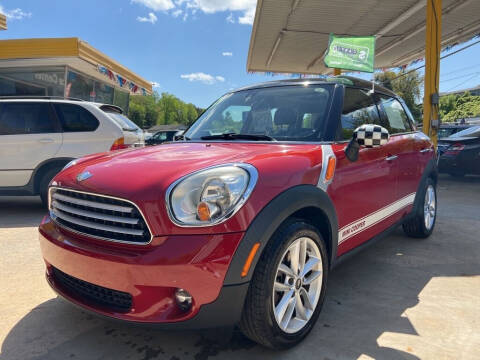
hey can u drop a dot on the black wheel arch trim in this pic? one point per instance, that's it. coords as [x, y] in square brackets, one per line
[430, 171]
[271, 217]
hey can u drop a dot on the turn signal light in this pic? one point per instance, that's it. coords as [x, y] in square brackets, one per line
[249, 260]
[332, 162]
[118, 144]
[203, 211]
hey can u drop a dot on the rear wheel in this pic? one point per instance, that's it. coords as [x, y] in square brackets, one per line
[423, 220]
[288, 287]
[44, 182]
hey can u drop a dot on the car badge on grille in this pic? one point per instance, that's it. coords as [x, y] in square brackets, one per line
[84, 176]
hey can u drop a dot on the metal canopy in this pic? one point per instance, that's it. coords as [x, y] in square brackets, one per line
[291, 36]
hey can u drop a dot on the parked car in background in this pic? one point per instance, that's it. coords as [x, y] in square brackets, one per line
[39, 136]
[133, 135]
[449, 129]
[242, 221]
[459, 154]
[161, 137]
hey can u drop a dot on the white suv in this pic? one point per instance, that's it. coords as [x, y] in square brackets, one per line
[39, 136]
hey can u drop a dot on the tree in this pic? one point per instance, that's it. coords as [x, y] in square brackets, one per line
[136, 113]
[156, 109]
[405, 84]
[447, 104]
[466, 106]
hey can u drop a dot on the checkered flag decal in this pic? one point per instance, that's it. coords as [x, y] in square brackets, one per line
[371, 135]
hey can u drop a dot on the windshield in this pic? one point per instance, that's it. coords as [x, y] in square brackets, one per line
[446, 132]
[124, 122]
[288, 113]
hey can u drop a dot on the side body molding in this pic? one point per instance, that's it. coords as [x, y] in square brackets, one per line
[272, 216]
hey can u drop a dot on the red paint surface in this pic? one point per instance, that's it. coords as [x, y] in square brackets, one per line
[197, 259]
[197, 264]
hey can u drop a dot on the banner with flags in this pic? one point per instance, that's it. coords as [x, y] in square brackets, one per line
[122, 82]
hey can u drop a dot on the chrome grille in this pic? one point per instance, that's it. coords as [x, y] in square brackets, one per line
[98, 216]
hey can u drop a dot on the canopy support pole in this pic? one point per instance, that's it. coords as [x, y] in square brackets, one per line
[433, 34]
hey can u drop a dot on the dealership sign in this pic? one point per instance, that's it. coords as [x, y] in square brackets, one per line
[355, 53]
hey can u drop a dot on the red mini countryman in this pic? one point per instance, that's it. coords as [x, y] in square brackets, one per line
[240, 221]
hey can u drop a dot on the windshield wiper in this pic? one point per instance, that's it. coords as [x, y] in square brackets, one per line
[235, 136]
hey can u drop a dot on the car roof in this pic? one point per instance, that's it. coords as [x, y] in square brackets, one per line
[340, 80]
[43, 99]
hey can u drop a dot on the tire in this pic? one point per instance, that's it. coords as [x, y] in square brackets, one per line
[416, 226]
[258, 320]
[44, 182]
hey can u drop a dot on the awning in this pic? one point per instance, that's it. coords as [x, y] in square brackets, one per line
[291, 36]
[61, 48]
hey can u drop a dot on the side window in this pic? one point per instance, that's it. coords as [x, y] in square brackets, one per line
[397, 118]
[358, 109]
[161, 136]
[75, 118]
[26, 118]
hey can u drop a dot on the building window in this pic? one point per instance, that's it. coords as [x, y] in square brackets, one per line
[48, 81]
[121, 99]
[79, 86]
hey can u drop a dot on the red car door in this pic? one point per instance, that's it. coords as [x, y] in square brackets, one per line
[365, 191]
[410, 154]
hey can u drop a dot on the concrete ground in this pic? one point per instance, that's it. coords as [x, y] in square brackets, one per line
[399, 299]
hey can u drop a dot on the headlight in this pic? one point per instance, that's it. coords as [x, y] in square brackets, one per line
[209, 196]
[71, 163]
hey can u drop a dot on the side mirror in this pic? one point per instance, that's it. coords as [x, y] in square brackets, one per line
[368, 136]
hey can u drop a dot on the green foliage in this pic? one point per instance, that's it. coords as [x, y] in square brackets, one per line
[155, 109]
[455, 107]
[407, 85]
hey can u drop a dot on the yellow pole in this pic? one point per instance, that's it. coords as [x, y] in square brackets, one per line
[337, 71]
[433, 34]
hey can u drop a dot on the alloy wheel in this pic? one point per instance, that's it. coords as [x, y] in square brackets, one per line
[429, 207]
[298, 284]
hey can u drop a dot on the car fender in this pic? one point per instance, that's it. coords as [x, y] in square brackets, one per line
[269, 220]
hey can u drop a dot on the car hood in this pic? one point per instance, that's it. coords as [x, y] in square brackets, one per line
[144, 175]
[137, 172]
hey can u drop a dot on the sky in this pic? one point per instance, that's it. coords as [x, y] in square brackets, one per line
[194, 49]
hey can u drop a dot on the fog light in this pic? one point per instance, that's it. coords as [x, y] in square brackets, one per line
[184, 299]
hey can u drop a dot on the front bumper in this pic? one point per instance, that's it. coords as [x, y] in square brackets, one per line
[150, 274]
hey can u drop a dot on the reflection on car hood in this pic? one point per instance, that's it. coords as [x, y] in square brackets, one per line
[155, 168]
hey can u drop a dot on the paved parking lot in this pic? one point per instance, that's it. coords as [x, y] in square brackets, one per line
[399, 299]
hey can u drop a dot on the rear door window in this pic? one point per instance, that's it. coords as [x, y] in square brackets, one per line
[75, 118]
[26, 118]
[358, 109]
[394, 112]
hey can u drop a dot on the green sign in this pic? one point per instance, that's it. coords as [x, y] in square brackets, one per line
[355, 53]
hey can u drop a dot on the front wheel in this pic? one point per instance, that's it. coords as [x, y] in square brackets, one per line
[288, 287]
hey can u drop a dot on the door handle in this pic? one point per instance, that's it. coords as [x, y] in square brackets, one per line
[391, 157]
[423, 151]
[45, 141]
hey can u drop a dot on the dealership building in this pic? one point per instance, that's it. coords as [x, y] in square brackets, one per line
[66, 67]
